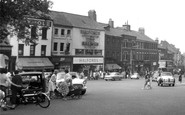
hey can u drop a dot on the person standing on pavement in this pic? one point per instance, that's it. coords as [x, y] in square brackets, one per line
[52, 84]
[17, 79]
[180, 78]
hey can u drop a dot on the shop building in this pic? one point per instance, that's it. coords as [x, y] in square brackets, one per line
[129, 50]
[33, 57]
[78, 41]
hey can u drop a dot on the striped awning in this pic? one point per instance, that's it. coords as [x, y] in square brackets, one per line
[35, 63]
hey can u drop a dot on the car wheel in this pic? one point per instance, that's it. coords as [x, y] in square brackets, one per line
[83, 92]
[173, 85]
[105, 79]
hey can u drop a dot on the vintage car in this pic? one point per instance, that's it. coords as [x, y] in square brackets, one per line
[135, 76]
[113, 76]
[76, 80]
[34, 81]
[166, 78]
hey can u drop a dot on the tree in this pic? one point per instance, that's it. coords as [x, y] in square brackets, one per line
[15, 15]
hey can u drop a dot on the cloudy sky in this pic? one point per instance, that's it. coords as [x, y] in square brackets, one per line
[162, 19]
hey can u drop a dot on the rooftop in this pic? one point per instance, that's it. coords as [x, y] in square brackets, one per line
[74, 20]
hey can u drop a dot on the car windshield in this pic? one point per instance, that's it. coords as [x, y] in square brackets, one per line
[166, 74]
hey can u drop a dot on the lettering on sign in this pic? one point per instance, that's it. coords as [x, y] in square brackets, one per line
[87, 60]
[39, 22]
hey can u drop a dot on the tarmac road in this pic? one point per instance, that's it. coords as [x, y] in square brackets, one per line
[115, 98]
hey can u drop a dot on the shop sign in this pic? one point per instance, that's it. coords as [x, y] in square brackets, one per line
[162, 64]
[90, 33]
[89, 43]
[81, 60]
[39, 22]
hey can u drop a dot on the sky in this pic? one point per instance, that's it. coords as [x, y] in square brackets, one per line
[162, 19]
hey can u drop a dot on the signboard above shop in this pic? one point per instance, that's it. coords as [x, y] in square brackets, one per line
[87, 60]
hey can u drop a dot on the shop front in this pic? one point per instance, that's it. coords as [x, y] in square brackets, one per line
[88, 65]
[62, 62]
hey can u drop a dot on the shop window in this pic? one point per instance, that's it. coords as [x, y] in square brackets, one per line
[44, 33]
[32, 50]
[21, 49]
[43, 50]
[55, 46]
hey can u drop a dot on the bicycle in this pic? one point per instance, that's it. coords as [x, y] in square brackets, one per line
[37, 97]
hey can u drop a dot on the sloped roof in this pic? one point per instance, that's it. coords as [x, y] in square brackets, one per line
[118, 31]
[74, 20]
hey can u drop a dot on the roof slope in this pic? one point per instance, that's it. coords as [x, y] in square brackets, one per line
[119, 31]
[74, 20]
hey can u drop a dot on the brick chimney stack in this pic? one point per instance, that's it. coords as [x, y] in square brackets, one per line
[92, 14]
[141, 30]
[111, 23]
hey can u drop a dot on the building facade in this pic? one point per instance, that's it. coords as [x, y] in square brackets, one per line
[78, 42]
[33, 57]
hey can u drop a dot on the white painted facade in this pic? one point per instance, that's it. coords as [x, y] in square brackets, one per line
[78, 39]
[61, 38]
[75, 39]
[15, 43]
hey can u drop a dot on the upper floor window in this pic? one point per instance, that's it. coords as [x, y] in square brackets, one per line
[68, 32]
[56, 31]
[32, 50]
[89, 52]
[21, 49]
[55, 46]
[62, 32]
[43, 50]
[79, 51]
[61, 46]
[44, 33]
[33, 32]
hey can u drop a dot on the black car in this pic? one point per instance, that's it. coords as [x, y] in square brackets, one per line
[34, 81]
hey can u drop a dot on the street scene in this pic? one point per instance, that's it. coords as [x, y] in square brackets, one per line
[123, 97]
[114, 59]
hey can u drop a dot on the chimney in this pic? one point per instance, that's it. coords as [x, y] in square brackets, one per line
[141, 30]
[126, 26]
[92, 14]
[157, 40]
[111, 23]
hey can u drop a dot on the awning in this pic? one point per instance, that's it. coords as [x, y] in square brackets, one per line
[112, 66]
[34, 63]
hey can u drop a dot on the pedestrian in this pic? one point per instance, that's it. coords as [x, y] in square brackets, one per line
[16, 79]
[180, 78]
[147, 81]
[52, 84]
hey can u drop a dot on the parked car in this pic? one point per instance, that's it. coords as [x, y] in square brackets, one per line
[113, 76]
[76, 80]
[135, 76]
[155, 75]
[166, 78]
[34, 81]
